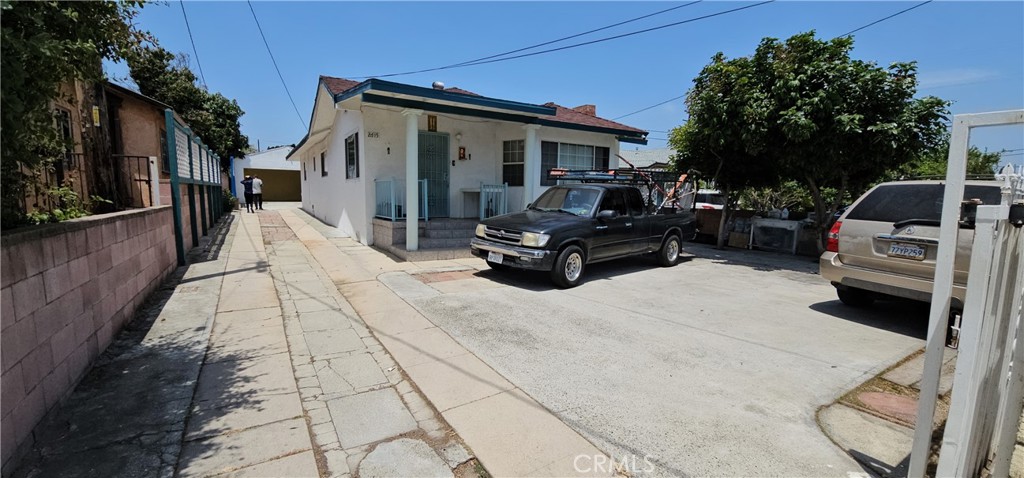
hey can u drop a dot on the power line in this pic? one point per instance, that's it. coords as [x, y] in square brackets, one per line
[279, 75]
[576, 45]
[855, 30]
[647, 108]
[850, 32]
[194, 51]
[576, 35]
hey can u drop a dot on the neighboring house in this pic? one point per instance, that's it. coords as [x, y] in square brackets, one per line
[280, 176]
[475, 156]
[112, 132]
[658, 158]
[138, 132]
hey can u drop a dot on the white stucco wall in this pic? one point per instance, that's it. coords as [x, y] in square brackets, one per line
[334, 199]
[349, 203]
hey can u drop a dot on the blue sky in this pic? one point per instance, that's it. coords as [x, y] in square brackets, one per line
[969, 52]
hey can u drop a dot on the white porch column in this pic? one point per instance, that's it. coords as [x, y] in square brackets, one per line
[531, 164]
[412, 175]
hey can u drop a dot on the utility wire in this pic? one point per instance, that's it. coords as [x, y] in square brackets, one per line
[647, 108]
[574, 36]
[194, 51]
[855, 30]
[279, 75]
[576, 45]
[846, 34]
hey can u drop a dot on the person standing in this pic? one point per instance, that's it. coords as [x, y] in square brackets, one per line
[257, 191]
[247, 184]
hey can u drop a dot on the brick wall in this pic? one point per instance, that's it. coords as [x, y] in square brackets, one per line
[67, 289]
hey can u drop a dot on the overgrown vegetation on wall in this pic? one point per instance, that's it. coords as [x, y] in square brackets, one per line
[42, 46]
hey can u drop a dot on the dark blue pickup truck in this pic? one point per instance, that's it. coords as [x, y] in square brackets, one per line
[572, 225]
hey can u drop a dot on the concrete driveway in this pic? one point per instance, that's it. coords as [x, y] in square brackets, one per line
[713, 367]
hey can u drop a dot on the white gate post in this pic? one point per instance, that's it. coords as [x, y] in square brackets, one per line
[154, 182]
[412, 175]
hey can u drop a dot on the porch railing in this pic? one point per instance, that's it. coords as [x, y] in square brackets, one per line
[389, 202]
[493, 200]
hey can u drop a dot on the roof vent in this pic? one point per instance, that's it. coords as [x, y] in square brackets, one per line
[437, 85]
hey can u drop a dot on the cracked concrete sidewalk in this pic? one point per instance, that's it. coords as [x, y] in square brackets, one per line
[253, 365]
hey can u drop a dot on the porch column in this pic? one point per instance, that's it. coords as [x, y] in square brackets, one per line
[412, 175]
[531, 164]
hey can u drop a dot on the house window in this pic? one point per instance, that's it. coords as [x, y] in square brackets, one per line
[512, 156]
[304, 176]
[323, 163]
[570, 156]
[313, 160]
[352, 156]
[67, 136]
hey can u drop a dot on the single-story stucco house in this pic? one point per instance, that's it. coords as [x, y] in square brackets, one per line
[471, 156]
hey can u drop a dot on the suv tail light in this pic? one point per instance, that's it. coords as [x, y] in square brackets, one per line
[832, 242]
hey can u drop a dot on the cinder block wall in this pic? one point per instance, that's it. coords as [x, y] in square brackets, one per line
[67, 289]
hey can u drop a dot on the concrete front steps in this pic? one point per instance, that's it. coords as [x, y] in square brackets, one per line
[439, 239]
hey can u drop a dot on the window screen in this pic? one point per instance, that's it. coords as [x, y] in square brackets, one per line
[352, 156]
[512, 156]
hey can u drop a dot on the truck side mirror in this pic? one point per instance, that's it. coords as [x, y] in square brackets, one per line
[607, 214]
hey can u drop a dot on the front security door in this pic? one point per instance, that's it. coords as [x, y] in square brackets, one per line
[433, 158]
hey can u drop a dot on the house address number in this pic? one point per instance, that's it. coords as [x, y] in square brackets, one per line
[373, 134]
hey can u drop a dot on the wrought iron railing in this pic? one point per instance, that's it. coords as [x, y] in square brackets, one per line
[493, 200]
[389, 202]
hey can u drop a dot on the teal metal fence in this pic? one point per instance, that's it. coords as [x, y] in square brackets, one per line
[195, 167]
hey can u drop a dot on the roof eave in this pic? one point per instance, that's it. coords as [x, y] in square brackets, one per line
[442, 95]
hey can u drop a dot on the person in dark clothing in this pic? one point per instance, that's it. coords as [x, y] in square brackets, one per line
[247, 184]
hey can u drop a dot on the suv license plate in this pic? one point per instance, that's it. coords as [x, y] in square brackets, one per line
[495, 257]
[908, 251]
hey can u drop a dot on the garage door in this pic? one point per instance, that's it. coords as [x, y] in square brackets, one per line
[278, 185]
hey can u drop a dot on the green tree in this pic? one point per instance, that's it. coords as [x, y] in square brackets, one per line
[814, 114]
[213, 117]
[933, 164]
[725, 136]
[42, 45]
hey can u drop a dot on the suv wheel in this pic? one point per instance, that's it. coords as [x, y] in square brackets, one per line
[568, 270]
[854, 297]
[668, 256]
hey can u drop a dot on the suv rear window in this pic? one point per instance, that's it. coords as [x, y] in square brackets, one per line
[897, 202]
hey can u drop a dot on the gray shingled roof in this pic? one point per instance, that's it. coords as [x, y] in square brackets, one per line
[645, 158]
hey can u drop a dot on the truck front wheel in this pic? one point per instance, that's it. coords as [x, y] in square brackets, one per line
[568, 270]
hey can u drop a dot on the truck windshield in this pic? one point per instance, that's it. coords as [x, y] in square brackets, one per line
[577, 201]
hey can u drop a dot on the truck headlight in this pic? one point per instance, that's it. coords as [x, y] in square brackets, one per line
[480, 230]
[532, 239]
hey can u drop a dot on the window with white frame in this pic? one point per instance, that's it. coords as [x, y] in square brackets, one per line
[570, 156]
[512, 156]
[323, 163]
[352, 156]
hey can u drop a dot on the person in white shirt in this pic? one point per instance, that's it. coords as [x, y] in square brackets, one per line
[257, 191]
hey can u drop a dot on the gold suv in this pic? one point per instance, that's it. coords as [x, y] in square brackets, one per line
[886, 242]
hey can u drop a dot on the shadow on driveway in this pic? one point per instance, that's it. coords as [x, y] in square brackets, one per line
[906, 317]
[539, 281]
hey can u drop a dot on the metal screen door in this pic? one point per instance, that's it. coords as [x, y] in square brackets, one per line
[433, 158]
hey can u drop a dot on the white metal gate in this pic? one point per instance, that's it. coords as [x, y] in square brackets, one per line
[988, 384]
